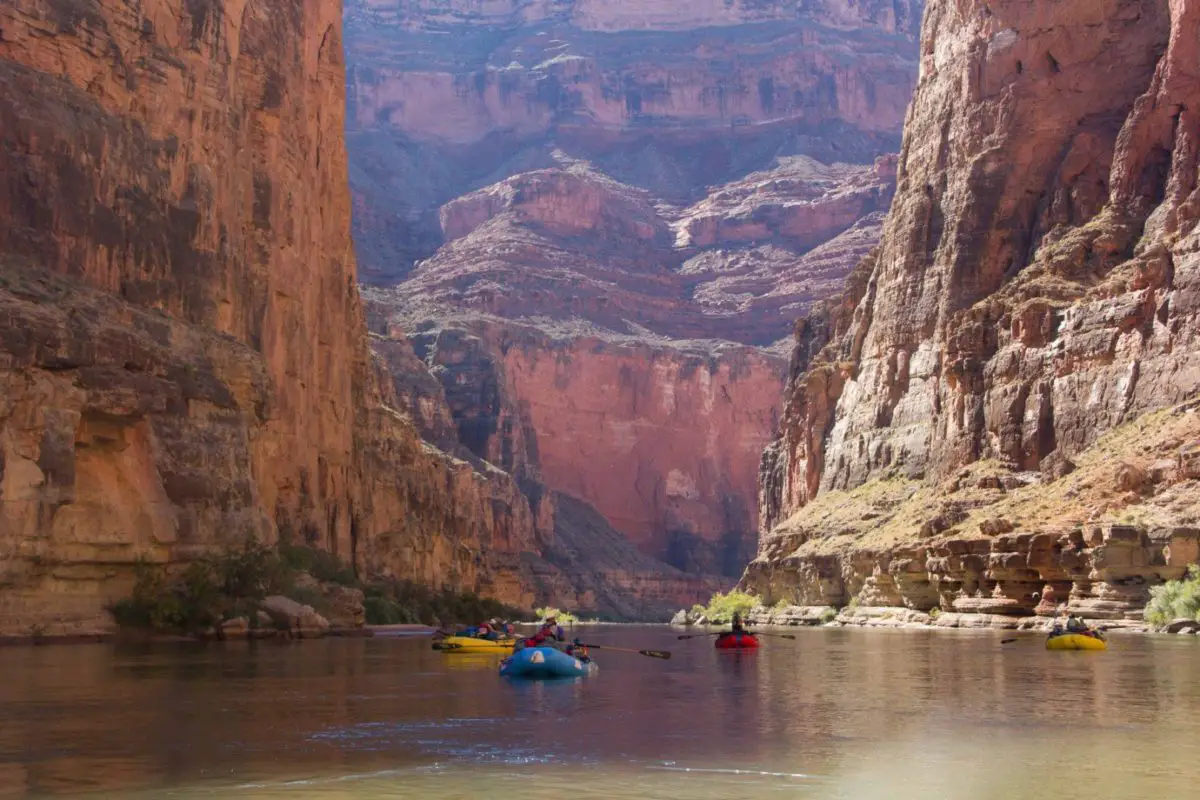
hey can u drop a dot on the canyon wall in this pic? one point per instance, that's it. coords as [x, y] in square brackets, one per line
[446, 98]
[590, 342]
[1002, 403]
[183, 354]
[597, 222]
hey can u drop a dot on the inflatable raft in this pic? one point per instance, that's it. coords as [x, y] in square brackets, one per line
[540, 663]
[1071, 640]
[737, 641]
[468, 644]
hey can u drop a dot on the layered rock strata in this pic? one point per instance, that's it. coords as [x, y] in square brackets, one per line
[183, 357]
[596, 222]
[662, 441]
[1028, 319]
[674, 98]
[577, 327]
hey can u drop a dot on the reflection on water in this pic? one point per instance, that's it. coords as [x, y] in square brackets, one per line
[834, 714]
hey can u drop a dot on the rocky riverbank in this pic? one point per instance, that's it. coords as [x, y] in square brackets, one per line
[899, 618]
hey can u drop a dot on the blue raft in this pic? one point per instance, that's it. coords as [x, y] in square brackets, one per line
[539, 663]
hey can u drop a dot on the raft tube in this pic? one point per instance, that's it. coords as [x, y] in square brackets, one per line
[468, 644]
[540, 663]
[1076, 641]
[737, 641]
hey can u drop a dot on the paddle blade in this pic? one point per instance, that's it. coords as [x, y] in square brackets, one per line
[1007, 641]
[656, 653]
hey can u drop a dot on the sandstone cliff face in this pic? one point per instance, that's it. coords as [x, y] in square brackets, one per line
[1034, 289]
[572, 321]
[182, 350]
[595, 223]
[661, 441]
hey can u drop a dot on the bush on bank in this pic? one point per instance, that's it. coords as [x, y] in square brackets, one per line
[1175, 600]
[234, 583]
[563, 617]
[722, 607]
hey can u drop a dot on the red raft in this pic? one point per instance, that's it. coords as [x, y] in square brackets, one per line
[737, 641]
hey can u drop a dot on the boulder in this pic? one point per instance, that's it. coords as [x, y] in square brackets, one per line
[1129, 477]
[346, 608]
[298, 619]
[236, 628]
[681, 618]
[1183, 625]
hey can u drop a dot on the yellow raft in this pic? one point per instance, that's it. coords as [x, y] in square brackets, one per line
[468, 644]
[1075, 641]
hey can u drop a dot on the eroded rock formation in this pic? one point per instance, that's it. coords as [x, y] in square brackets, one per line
[636, 194]
[671, 97]
[577, 329]
[1032, 303]
[183, 357]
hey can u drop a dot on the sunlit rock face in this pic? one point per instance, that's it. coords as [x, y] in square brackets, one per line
[596, 221]
[1028, 320]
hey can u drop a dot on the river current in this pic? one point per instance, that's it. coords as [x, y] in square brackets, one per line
[836, 713]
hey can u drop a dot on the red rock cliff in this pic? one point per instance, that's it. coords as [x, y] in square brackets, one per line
[997, 401]
[596, 222]
[182, 351]
[577, 330]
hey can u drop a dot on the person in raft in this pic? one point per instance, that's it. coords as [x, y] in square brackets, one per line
[550, 635]
[737, 625]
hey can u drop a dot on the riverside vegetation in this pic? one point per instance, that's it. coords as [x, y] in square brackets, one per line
[721, 607]
[1175, 600]
[236, 583]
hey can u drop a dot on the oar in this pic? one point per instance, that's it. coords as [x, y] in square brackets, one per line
[694, 635]
[1007, 641]
[652, 653]
[776, 635]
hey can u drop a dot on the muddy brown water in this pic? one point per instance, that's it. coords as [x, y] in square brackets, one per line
[834, 714]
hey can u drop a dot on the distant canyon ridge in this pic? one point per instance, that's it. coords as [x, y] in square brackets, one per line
[586, 230]
[582, 228]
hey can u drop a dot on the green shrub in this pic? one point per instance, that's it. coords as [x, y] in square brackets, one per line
[562, 617]
[234, 583]
[828, 616]
[252, 570]
[1175, 599]
[429, 606]
[385, 611]
[321, 564]
[191, 602]
[722, 607]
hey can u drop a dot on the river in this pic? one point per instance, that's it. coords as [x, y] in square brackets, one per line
[834, 714]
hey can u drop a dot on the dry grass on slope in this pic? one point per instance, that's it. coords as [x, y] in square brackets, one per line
[1136, 474]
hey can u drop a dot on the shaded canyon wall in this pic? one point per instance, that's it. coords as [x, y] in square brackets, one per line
[183, 355]
[1002, 404]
